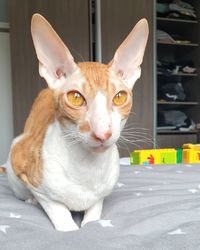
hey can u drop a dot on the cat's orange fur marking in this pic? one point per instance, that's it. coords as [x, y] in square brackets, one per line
[97, 76]
[84, 127]
[26, 154]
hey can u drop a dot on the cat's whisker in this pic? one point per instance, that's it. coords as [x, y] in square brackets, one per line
[124, 147]
[136, 131]
[134, 144]
[138, 137]
[73, 143]
[135, 128]
[142, 139]
[70, 135]
[133, 140]
[137, 134]
[72, 138]
[127, 150]
[132, 113]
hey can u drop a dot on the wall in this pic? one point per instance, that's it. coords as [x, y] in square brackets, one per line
[6, 114]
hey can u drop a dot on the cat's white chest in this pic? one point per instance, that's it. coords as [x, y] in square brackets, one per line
[74, 176]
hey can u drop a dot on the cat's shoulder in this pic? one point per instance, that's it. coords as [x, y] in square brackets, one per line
[42, 111]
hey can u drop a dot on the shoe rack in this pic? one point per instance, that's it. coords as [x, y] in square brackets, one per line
[176, 52]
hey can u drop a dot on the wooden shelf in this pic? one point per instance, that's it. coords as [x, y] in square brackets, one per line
[176, 103]
[176, 20]
[176, 132]
[179, 44]
[179, 74]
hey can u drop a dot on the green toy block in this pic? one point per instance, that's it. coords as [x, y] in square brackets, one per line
[134, 158]
[131, 158]
[179, 155]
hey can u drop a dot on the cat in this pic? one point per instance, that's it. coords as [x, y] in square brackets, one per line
[67, 158]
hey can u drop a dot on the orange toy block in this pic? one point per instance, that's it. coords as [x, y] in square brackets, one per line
[191, 153]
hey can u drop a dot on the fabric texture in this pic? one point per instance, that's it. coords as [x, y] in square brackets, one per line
[151, 207]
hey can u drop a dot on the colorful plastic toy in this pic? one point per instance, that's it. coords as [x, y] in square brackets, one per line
[190, 153]
[154, 156]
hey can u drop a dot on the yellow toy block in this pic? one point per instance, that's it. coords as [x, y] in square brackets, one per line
[187, 156]
[144, 157]
[196, 156]
[191, 146]
[149, 157]
[191, 153]
[154, 156]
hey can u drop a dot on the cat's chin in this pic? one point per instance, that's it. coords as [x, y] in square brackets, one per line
[99, 149]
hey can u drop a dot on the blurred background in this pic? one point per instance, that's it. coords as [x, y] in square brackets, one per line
[166, 98]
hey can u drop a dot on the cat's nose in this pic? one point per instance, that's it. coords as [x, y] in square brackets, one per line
[102, 138]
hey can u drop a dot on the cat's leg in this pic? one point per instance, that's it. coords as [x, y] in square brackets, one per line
[58, 213]
[93, 213]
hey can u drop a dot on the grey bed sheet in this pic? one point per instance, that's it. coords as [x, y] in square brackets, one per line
[151, 207]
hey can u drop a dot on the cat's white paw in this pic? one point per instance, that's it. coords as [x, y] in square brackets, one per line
[66, 227]
[31, 201]
[83, 223]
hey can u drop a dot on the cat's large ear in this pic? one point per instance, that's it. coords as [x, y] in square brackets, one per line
[55, 60]
[128, 57]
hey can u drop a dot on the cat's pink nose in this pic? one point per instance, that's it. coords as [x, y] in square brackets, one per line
[102, 138]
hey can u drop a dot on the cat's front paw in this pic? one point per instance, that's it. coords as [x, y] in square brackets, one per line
[66, 227]
[83, 223]
[32, 201]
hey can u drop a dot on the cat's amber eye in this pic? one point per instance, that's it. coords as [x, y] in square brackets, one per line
[75, 98]
[120, 98]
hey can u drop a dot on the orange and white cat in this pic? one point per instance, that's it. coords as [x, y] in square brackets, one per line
[66, 157]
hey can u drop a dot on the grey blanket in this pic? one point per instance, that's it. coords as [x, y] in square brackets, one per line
[152, 207]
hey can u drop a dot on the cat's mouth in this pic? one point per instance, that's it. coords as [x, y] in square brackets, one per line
[99, 149]
[97, 146]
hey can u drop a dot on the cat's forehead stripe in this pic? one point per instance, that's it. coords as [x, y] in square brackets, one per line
[96, 74]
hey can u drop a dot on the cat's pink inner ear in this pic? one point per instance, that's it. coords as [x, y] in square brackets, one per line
[129, 56]
[55, 60]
